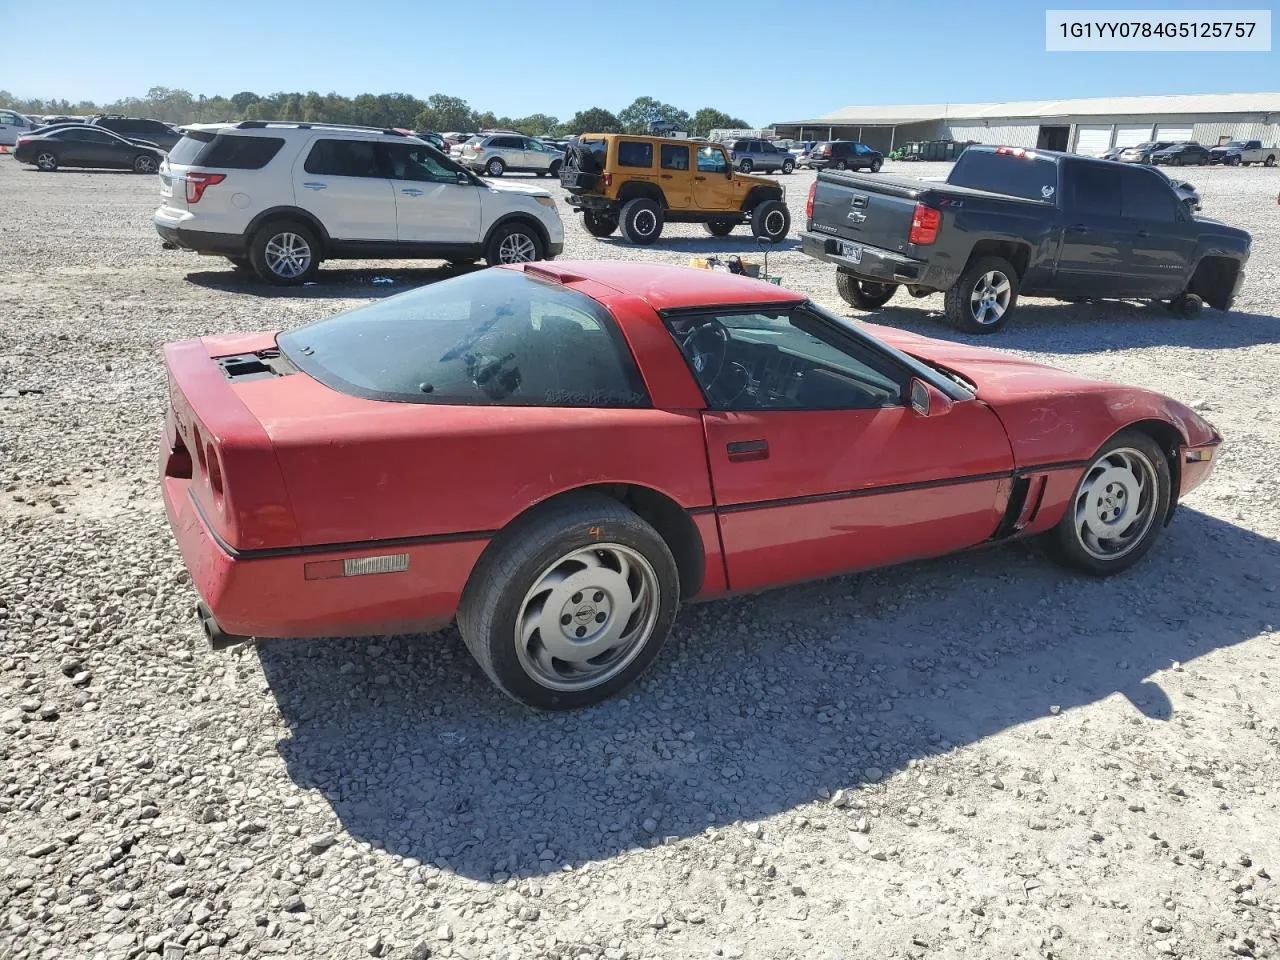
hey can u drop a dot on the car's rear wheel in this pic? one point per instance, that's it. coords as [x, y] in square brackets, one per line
[745, 164]
[571, 603]
[864, 294]
[984, 297]
[842, 165]
[1118, 508]
[719, 228]
[514, 243]
[642, 220]
[285, 253]
[600, 224]
[495, 167]
[47, 161]
[788, 166]
[771, 221]
[145, 163]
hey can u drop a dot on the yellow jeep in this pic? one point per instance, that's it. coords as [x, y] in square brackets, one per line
[643, 182]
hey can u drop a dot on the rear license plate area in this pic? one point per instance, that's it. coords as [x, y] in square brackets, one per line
[850, 251]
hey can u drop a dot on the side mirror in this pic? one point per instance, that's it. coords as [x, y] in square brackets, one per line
[927, 400]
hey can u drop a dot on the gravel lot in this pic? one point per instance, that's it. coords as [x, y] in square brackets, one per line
[982, 756]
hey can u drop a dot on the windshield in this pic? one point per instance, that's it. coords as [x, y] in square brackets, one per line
[494, 337]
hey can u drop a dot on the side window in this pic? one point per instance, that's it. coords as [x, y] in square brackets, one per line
[1095, 189]
[94, 136]
[674, 157]
[1253, 145]
[508, 143]
[417, 163]
[711, 160]
[342, 158]
[784, 360]
[634, 154]
[535, 146]
[1146, 196]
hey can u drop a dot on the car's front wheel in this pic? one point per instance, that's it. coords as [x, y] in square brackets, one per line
[513, 243]
[788, 166]
[864, 294]
[145, 163]
[876, 164]
[47, 161]
[571, 603]
[285, 253]
[984, 297]
[600, 224]
[554, 169]
[745, 164]
[1118, 509]
[771, 221]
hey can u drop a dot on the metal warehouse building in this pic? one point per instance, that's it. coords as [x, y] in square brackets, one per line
[1083, 126]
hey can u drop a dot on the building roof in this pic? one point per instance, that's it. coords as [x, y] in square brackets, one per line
[1091, 106]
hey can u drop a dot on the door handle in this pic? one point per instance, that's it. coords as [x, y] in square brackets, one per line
[699, 178]
[312, 185]
[412, 191]
[741, 450]
[666, 176]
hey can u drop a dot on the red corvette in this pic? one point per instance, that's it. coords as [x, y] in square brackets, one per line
[556, 455]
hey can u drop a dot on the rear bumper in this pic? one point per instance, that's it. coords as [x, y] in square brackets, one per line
[267, 593]
[881, 266]
[202, 241]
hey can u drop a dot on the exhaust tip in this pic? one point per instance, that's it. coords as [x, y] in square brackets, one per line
[218, 638]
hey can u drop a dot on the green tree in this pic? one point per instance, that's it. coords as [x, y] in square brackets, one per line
[242, 100]
[443, 112]
[642, 111]
[709, 118]
[536, 125]
[591, 120]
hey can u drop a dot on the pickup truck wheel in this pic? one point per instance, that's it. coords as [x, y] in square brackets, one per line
[571, 603]
[1186, 305]
[719, 228]
[600, 224]
[864, 294]
[1270, 161]
[787, 166]
[984, 296]
[771, 221]
[1233, 161]
[642, 221]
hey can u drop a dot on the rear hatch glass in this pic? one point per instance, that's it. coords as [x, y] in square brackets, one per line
[200, 148]
[1029, 177]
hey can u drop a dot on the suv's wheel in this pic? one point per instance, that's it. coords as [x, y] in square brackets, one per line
[745, 164]
[842, 165]
[600, 224]
[495, 167]
[642, 220]
[876, 164]
[145, 163]
[982, 300]
[864, 294]
[788, 166]
[554, 169]
[1118, 509]
[46, 161]
[513, 243]
[285, 253]
[771, 220]
[569, 605]
[720, 228]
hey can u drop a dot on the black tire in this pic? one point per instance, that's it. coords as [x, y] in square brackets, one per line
[959, 304]
[461, 263]
[719, 228]
[876, 165]
[642, 221]
[842, 165]
[145, 163]
[771, 220]
[1186, 305]
[47, 161]
[242, 264]
[518, 558]
[1233, 161]
[1270, 161]
[864, 294]
[1066, 543]
[495, 167]
[788, 166]
[745, 164]
[265, 253]
[554, 169]
[514, 242]
[600, 224]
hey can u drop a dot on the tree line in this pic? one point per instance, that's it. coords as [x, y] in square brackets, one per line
[438, 112]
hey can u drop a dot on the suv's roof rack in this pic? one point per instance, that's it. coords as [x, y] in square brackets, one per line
[300, 125]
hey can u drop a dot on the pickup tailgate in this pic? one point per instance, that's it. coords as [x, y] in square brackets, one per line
[871, 210]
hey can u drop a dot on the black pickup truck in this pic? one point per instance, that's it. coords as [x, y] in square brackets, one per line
[1008, 221]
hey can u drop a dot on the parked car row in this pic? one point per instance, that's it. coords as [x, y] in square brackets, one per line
[1182, 153]
[87, 146]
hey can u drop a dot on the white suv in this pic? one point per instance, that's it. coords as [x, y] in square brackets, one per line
[278, 198]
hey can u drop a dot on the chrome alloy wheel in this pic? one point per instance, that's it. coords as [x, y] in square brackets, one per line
[145, 165]
[990, 297]
[587, 616]
[1116, 503]
[516, 248]
[47, 161]
[288, 255]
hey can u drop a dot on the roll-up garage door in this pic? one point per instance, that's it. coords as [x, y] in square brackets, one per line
[1173, 131]
[1093, 138]
[1132, 134]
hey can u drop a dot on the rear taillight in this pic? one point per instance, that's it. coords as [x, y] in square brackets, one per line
[808, 204]
[925, 222]
[608, 179]
[21, 140]
[197, 183]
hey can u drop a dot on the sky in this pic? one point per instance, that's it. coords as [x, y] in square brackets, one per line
[761, 61]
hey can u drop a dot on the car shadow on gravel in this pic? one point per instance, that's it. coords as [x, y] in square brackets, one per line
[355, 283]
[707, 246]
[759, 704]
[1081, 328]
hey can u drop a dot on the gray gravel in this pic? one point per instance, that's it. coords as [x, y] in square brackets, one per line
[981, 756]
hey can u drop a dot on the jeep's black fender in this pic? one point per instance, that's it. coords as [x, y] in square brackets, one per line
[758, 195]
[638, 188]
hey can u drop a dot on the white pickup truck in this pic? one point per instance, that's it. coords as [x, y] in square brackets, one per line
[1244, 152]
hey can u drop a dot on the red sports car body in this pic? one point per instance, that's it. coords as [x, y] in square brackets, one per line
[348, 478]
